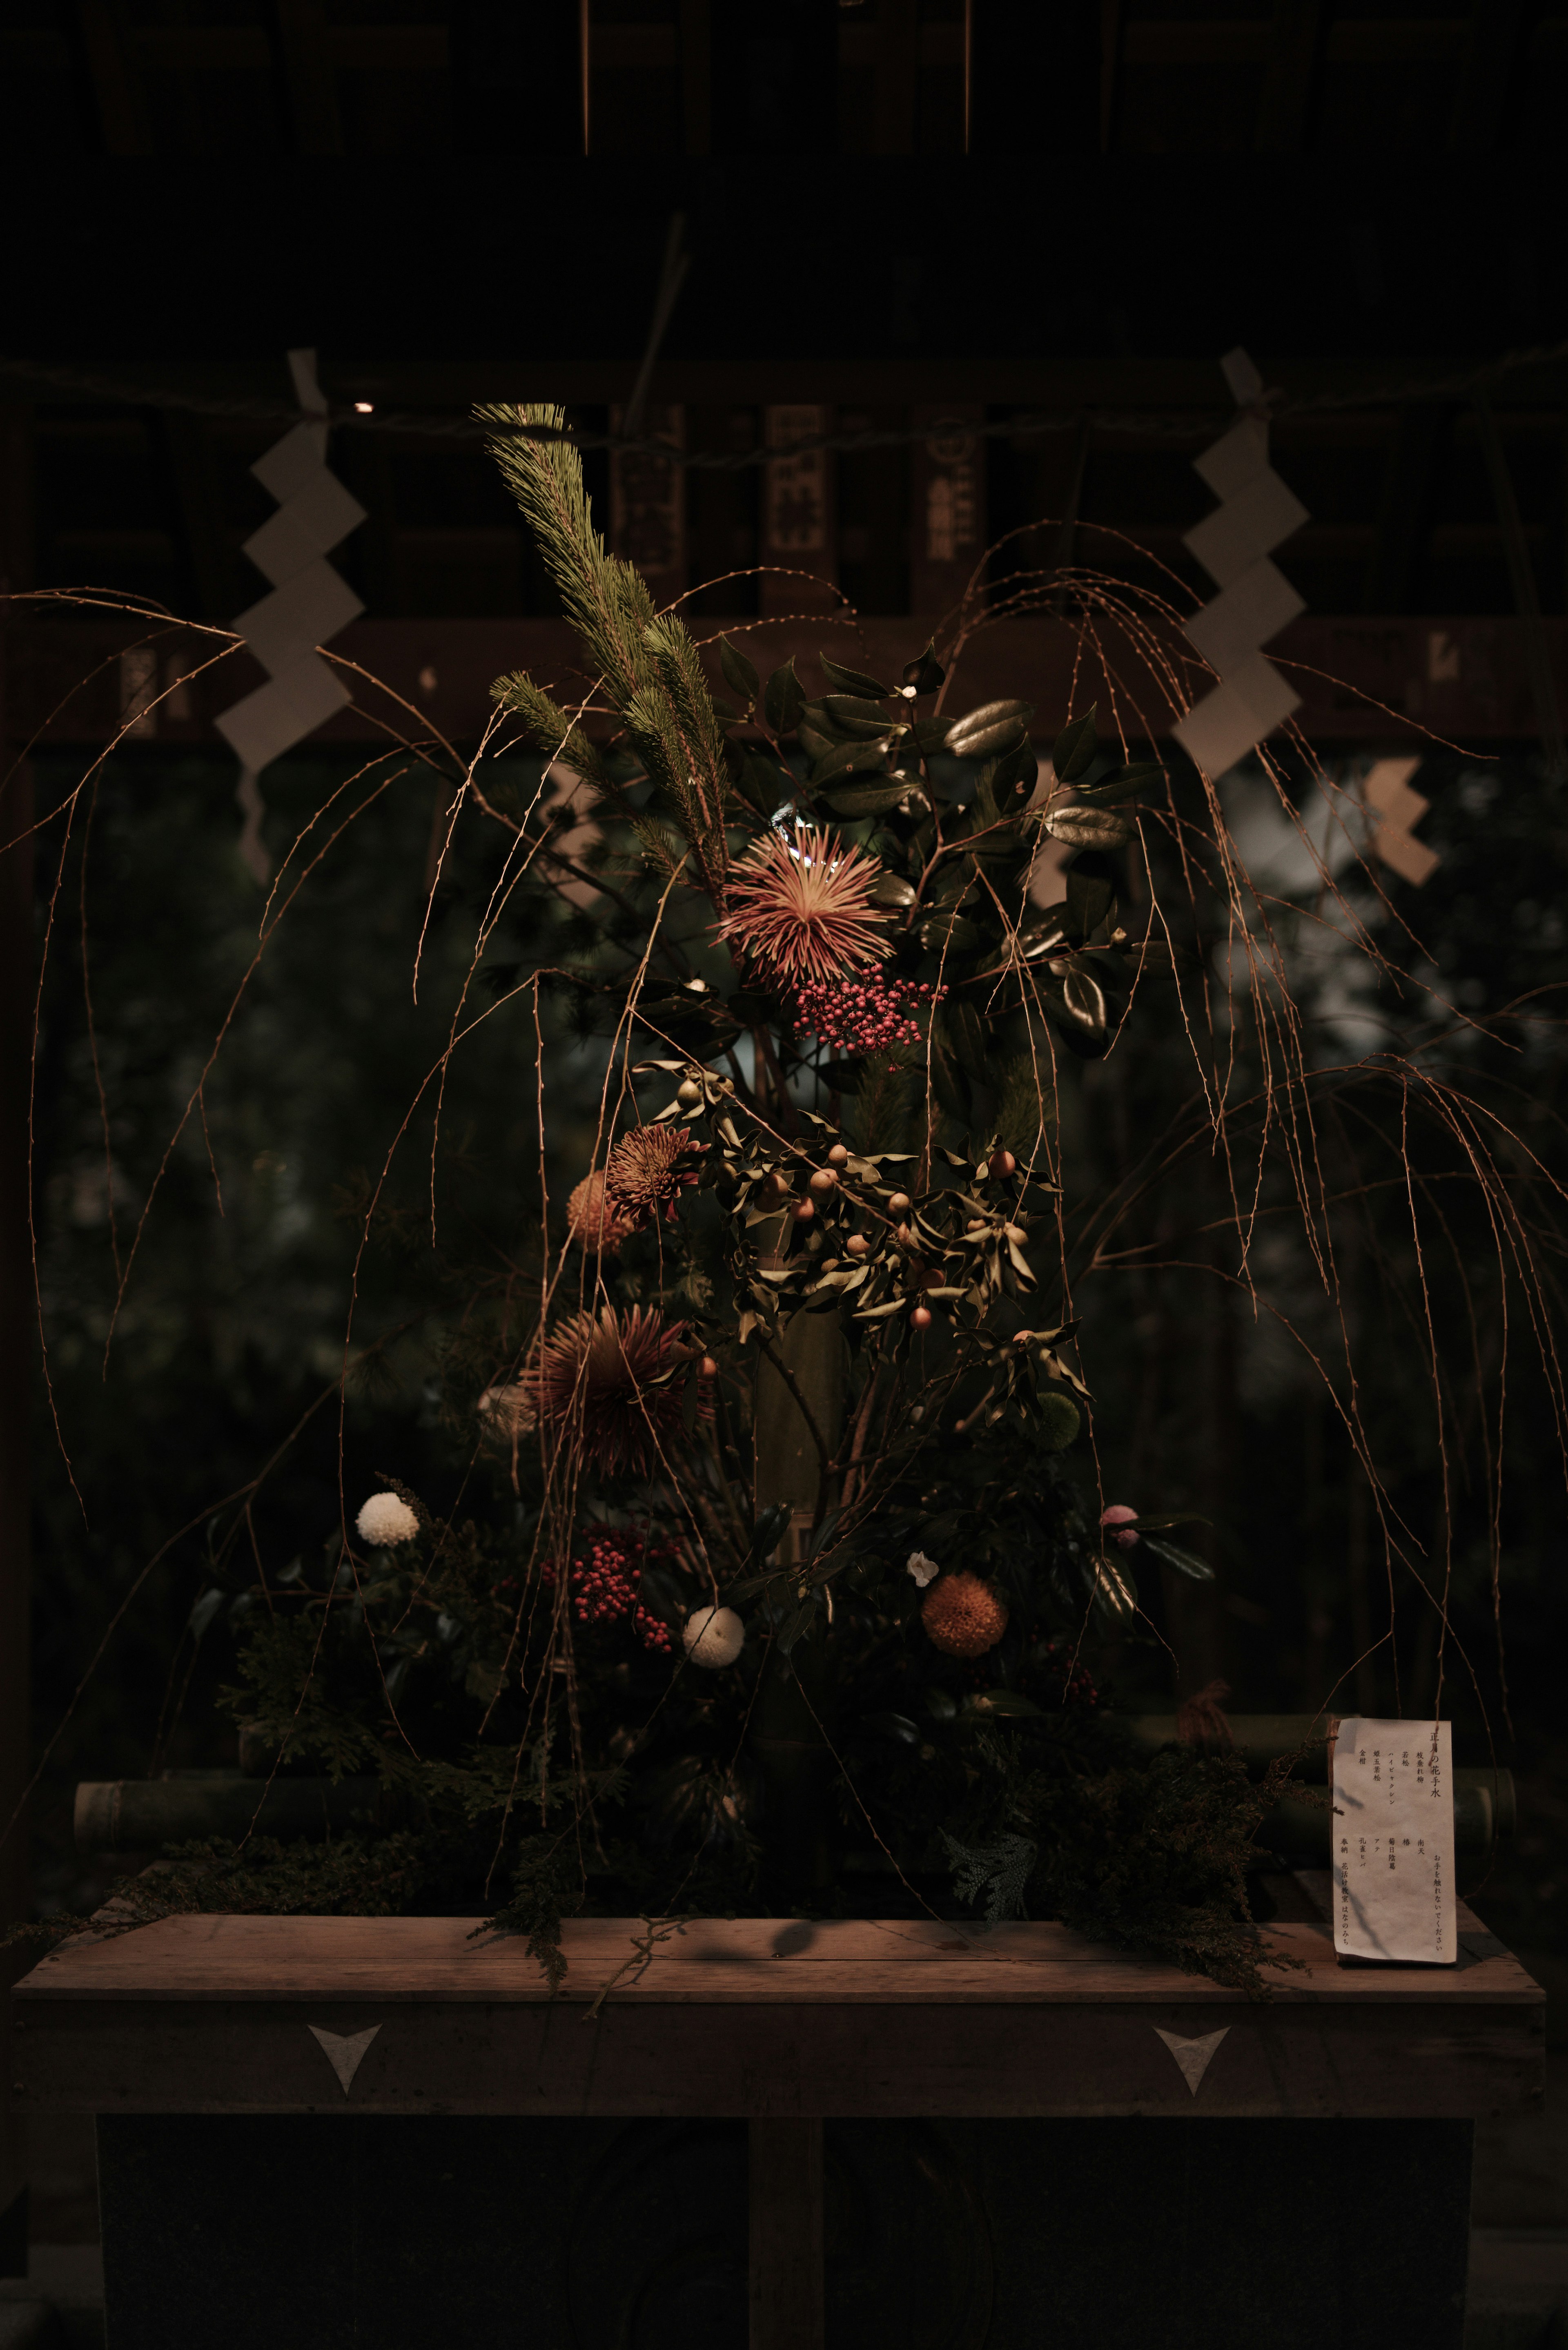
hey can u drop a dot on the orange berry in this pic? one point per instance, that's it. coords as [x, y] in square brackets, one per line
[1003, 1163]
[804, 1211]
[824, 1180]
[921, 1317]
[837, 1156]
[858, 1244]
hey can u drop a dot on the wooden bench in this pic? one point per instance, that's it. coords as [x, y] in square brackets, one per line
[305, 2122]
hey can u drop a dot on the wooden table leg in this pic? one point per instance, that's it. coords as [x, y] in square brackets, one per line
[787, 2235]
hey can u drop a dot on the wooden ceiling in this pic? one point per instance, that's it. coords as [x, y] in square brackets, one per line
[408, 78]
[1405, 517]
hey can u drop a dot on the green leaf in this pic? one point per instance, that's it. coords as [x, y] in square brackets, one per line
[204, 1610]
[853, 759]
[812, 742]
[955, 932]
[784, 698]
[771, 1524]
[1091, 893]
[1014, 776]
[1185, 1562]
[844, 720]
[739, 674]
[796, 1623]
[1084, 999]
[963, 1032]
[870, 799]
[1000, 1701]
[894, 1725]
[851, 680]
[994, 726]
[948, 1084]
[892, 889]
[852, 711]
[1073, 753]
[764, 782]
[1124, 785]
[1114, 1590]
[725, 709]
[1086, 827]
[939, 1704]
[1045, 934]
[1157, 959]
[926, 674]
[931, 734]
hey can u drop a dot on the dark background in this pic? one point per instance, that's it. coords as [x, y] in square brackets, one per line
[1365, 202]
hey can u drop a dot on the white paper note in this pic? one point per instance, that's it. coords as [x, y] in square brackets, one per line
[1394, 1840]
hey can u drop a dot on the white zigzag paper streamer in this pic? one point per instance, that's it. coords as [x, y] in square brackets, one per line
[1394, 808]
[309, 602]
[1255, 600]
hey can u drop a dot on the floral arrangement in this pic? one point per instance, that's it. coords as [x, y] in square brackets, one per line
[780, 1568]
[791, 1589]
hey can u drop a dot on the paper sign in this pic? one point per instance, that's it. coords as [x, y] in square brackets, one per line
[1394, 1840]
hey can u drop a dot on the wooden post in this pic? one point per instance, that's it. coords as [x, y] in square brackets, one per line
[18, 1318]
[787, 2235]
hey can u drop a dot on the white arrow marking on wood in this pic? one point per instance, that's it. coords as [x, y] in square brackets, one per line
[1194, 2056]
[343, 2051]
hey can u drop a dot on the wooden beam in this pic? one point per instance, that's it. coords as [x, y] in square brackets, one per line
[1494, 51]
[306, 71]
[1110, 70]
[1290, 78]
[1360, 678]
[183, 443]
[697, 75]
[1405, 510]
[18, 1310]
[1527, 601]
[894, 87]
[784, 2160]
[119, 104]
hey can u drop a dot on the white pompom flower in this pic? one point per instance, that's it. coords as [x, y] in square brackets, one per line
[924, 1570]
[714, 1637]
[384, 1520]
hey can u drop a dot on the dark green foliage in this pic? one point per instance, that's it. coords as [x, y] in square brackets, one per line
[546, 1885]
[1154, 1854]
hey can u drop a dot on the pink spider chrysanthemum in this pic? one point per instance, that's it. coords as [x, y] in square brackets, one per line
[802, 905]
[592, 1384]
[648, 1170]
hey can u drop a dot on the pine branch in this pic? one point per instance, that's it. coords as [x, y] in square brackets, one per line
[550, 730]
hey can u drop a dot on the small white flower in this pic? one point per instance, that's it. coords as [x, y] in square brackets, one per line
[924, 1570]
[384, 1520]
[714, 1637]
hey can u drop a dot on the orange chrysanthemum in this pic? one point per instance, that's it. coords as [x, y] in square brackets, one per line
[593, 1386]
[963, 1615]
[596, 1221]
[802, 907]
[648, 1170]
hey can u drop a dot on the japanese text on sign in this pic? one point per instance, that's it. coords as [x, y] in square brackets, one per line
[1394, 1840]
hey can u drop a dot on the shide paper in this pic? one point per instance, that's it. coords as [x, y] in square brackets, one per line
[1394, 1840]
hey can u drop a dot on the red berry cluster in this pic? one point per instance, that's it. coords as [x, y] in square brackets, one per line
[1075, 1685]
[606, 1582]
[869, 1014]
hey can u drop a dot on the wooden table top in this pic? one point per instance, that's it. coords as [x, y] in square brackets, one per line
[758, 2016]
[716, 1961]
